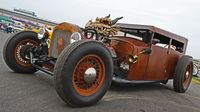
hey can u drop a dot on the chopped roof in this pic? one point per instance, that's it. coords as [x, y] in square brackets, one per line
[153, 29]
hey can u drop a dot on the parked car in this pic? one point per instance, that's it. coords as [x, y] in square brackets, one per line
[17, 27]
[196, 68]
[8, 29]
[1, 26]
[84, 61]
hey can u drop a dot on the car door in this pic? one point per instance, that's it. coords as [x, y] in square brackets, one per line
[158, 59]
[156, 67]
[130, 46]
[137, 70]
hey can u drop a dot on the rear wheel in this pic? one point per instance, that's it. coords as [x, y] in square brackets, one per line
[183, 74]
[14, 51]
[83, 73]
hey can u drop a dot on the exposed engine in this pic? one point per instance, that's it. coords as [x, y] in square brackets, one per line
[124, 66]
[104, 26]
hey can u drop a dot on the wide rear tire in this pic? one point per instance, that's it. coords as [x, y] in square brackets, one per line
[183, 74]
[83, 73]
[12, 51]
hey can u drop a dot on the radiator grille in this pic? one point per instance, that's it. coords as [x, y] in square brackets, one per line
[59, 41]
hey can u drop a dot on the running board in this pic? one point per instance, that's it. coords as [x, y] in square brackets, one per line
[124, 81]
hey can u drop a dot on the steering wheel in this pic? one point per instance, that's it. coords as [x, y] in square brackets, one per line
[91, 34]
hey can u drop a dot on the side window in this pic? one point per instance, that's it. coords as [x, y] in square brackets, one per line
[133, 36]
[164, 41]
[140, 34]
[178, 46]
[119, 33]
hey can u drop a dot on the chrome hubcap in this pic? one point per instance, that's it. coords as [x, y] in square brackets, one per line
[90, 75]
[187, 74]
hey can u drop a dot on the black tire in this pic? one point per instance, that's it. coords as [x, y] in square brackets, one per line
[183, 74]
[65, 69]
[13, 60]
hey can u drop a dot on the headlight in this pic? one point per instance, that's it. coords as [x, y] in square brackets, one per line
[41, 33]
[75, 37]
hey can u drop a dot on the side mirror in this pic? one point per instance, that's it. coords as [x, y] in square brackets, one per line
[146, 51]
[155, 41]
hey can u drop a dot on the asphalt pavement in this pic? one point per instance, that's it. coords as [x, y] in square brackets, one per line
[36, 93]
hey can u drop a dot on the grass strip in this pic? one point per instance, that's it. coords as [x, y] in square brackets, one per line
[196, 80]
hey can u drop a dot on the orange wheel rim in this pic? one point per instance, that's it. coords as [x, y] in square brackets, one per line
[17, 50]
[187, 77]
[88, 75]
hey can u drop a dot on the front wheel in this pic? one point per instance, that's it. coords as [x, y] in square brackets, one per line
[183, 74]
[83, 73]
[14, 51]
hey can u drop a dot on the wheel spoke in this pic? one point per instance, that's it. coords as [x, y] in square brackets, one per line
[81, 85]
[187, 77]
[17, 51]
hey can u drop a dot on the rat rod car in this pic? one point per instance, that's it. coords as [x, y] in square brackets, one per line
[84, 61]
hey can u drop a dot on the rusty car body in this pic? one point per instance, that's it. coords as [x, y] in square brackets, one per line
[161, 62]
[85, 61]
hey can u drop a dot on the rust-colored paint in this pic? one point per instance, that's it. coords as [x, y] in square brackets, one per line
[187, 76]
[80, 85]
[23, 62]
[132, 46]
[48, 66]
[66, 27]
[138, 69]
[157, 30]
[60, 44]
[157, 64]
[172, 59]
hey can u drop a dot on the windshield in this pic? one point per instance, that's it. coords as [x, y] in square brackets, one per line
[143, 35]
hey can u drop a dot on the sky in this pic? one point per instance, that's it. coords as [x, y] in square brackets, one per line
[178, 16]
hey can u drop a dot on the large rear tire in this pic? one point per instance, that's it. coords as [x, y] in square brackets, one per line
[83, 73]
[183, 74]
[13, 51]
